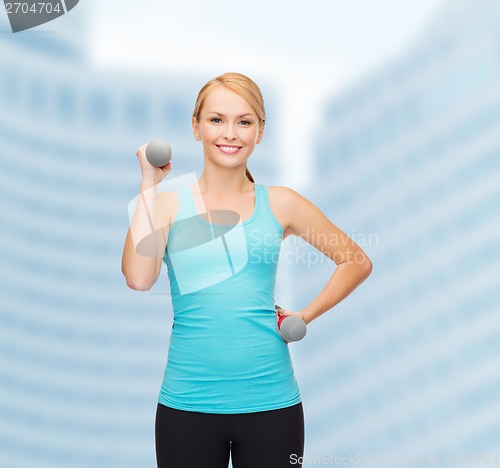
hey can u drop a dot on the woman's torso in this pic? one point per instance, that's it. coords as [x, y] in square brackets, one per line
[225, 353]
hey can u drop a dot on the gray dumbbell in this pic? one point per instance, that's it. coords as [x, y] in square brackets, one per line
[291, 328]
[158, 153]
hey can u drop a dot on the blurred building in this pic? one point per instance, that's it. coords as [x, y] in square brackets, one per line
[74, 338]
[408, 165]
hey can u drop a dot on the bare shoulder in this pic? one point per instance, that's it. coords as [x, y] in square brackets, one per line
[280, 195]
[297, 213]
[283, 200]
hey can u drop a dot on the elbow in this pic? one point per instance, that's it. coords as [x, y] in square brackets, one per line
[366, 267]
[361, 265]
[137, 284]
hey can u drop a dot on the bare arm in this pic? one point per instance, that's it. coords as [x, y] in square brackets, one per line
[148, 232]
[353, 265]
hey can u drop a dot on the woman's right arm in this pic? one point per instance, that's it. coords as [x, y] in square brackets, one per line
[148, 232]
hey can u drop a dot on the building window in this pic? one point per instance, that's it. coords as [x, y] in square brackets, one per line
[177, 114]
[99, 106]
[137, 112]
[10, 87]
[65, 102]
[37, 95]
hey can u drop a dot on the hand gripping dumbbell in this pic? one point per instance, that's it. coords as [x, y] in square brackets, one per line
[291, 327]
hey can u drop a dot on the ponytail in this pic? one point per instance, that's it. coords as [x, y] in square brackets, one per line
[249, 176]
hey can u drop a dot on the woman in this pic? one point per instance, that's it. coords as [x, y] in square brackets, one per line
[229, 385]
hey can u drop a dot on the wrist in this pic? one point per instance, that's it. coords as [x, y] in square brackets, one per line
[148, 183]
[305, 316]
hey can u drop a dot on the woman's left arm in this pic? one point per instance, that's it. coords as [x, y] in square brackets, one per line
[308, 222]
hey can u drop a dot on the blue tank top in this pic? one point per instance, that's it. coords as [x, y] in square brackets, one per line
[225, 354]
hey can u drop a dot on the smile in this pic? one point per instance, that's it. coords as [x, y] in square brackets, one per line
[228, 149]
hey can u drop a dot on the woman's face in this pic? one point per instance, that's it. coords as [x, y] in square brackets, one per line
[228, 128]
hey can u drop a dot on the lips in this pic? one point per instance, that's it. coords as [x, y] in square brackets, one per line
[229, 149]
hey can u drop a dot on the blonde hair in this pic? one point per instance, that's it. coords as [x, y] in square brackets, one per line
[243, 86]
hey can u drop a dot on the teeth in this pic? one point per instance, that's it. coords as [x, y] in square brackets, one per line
[229, 149]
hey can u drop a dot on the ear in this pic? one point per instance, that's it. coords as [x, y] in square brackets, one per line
[196, 129]
[261, 132]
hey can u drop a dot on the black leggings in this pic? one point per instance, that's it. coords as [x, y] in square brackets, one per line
[266, 439]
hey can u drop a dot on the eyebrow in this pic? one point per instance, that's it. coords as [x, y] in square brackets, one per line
[222, 115]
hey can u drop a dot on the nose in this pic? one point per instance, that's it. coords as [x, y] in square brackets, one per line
[229, 132]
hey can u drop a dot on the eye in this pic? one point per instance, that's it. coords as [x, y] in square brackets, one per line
[215, 120]
[246, 122]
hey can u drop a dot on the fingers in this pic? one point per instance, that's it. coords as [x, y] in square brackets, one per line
[279, 313]
[141, 151]
[166, 168]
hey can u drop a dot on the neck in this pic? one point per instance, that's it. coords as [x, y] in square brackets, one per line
[222, 182]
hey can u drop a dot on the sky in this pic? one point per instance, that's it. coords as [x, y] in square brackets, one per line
[310, 49]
